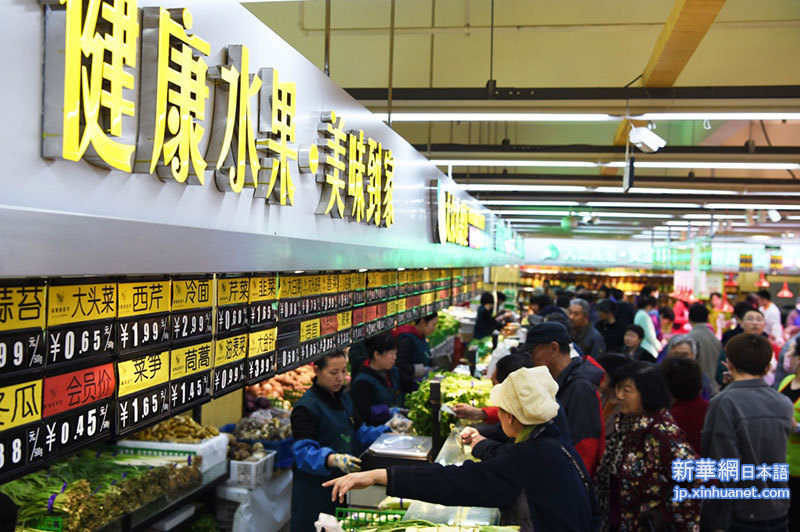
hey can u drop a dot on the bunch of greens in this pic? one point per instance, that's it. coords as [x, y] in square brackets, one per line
[446, 326]
[455, 389]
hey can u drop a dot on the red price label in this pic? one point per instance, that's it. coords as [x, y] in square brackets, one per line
[78, 388]
[329, 325]
[371, 313]
[358, 315]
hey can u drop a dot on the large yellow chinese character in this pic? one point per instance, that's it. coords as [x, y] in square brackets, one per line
[181, 93]
[388, 188]
[93, 90]
[235, 82]
[333, 164]
[355, 175]
[278, 104]
[375, 174]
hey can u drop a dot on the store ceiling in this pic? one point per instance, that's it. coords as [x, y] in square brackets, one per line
[697, 56]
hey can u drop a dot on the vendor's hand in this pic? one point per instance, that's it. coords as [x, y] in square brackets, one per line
[355, 481]
[468, 412]
[343, 462]
[470, 436]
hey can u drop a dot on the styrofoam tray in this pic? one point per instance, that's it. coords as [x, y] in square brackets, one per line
[213, 450]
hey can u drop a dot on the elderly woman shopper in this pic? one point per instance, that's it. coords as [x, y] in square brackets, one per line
[539, 485]
[634, 479]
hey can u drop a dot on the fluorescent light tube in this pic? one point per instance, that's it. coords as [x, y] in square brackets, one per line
[704, 165]
[601, 215]
[642, 190]
[532, 203]
[716, 216]
[754, 206]
[718, 116]
[408, 116]
[514, 162]
[634, 204]
[522, 188]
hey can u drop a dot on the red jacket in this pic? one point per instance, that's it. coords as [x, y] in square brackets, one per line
[689, 416]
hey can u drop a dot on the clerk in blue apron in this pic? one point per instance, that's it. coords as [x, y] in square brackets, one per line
[327, 441]
[376, 389]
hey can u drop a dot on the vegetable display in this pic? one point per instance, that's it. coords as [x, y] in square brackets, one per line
[425, 526]
[455, 389]
[288, 387]
[91, 489]
[256, 428]
[446, 326]
[178, 429]
[245, 452]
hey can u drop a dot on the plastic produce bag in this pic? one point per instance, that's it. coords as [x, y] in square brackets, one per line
[327, 523]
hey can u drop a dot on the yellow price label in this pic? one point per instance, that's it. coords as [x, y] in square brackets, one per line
[263, 288]
[143, 373]
[401, 305]
[330, 284]
[230, 349]
[359, 281]
[389, 278]
[191, 293]
[190, 360]
[374, 279]
[345, 282]
[262, 341]
[290, 286]
[22, 307]
[309, 330]
[20, 404]
[144, 297]
[312, 285]
[81, 302]
[345, 320]
[233, 291]
[402, 277]
[391, 307]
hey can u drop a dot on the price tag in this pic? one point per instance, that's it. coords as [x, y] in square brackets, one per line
[345, 282]
[190, 390]
[401, 305]
[391, 307]
[142, 373]
[143, 297]
[21, 351]
[148, 332]
[190, 294]
[373, 327]
[290, 287]
[77, 389]
[231, 319]
[230, 350]
[191, 325]
[79, 342]
[233, 291]
[20, 404]
[263, 288]
[189, 360]
[81, 302]
[312, 285]
[142, 408]
[310, 305]
[228, 378]
[328, 325]
[343, 339]
[374, 279]
[328, 302]
[370, 313]
[76, 428]
[288, 309]
[13, 451]
[329, 284]
[260, 367]
[359, 314]
[357, 333]
[21, 306]
[262, 313]
[309, 330]
[345, 299]
[359, 297]
[260, 342]
[344, 320]
[287, 357]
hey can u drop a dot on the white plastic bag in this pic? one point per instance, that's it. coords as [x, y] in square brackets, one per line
[327, 523]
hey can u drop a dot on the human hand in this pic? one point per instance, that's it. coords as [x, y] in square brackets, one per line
[464, 411]
[355, 481]
[343, 462]
[470, 436]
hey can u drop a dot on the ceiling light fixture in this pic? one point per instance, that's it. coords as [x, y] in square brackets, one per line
[644, 139]
[750, 206]
[718, 116]
[532, 203]
[676, 165]
[523, 212]
[634, 205]
[522, 188]
[409, 116]
[687, 191]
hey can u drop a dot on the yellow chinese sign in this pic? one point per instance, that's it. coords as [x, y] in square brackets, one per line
[333, 165]
[233, 291]
[312, 285]
[145, 297]
[359, 281]
[290, 286]
[330, 284]
[142, 373]
[191, 293]
[81, 302]
[22, 307]
[401, 305]
[20, 404]
[262, 341]
[345, 282]
[263, 288]
[344, 320]
[309, 330]
[454, 217]
[230, 349]
[190, 360]
[391, 307]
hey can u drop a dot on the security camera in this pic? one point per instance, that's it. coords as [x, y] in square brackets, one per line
[646, 140]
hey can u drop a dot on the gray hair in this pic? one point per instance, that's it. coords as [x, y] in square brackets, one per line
[680, 340]
[581, 303]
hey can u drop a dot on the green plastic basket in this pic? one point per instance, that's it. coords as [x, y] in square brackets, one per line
[354, 518]
[54, 524]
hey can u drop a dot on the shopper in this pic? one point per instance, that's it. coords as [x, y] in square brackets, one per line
[790, 387]
[376, 389]
[643, 319]
[326, 441]
[538, 485]
[560, 317]
[607, 325]
[625, 310]
[634, 336]
[772, 316]
[485, 323]
[750, 422]
[685, 381]
[634, 480]
[356, 356]
[792, 325]
[681, 312]
[667, 317]
[708, 347]
[739, 310]
[648, 292]
[610, 362]
[413, 353]
[578, 379]
[583, 332]
[684, 347]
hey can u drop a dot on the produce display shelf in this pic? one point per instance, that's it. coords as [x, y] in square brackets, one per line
[163, 506]
[445, 348]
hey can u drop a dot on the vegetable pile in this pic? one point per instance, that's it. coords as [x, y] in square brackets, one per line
[178, 429]
[446, 326]
[260, 428]
[245, 452]
[455, 389]
[91, 489]
[289, 386]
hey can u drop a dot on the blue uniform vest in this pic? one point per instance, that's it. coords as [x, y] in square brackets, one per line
[384, 395]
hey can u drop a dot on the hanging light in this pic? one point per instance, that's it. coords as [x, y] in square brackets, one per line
[726, 305]
[762, 281]
[731, 282]
[785, 292]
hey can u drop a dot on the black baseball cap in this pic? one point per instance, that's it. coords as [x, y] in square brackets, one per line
[547, 332]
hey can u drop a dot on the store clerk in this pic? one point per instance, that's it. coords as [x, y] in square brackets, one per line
[327, 440]
[376, 389]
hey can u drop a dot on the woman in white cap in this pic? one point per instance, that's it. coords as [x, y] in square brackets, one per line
[540, 484]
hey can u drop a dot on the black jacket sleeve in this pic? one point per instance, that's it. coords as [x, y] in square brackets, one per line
[363, 397]
[405, 352]
[488, 449]
[304, 425]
